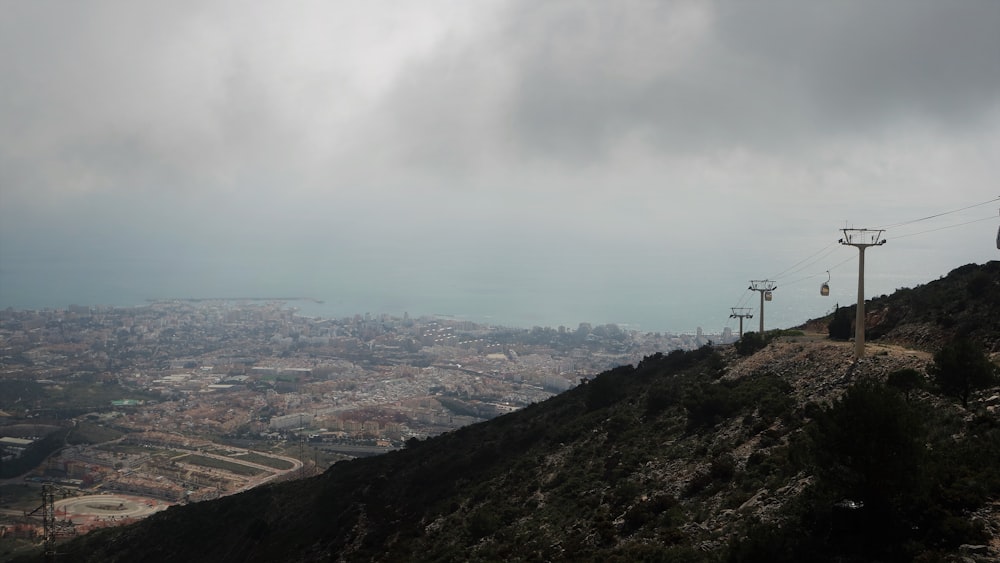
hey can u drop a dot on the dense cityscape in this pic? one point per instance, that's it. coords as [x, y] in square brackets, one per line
[186, 400]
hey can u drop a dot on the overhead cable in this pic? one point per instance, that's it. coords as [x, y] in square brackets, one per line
[811, 276]
[945, 227]
[939, 214]
[786, 270]
[824, 252]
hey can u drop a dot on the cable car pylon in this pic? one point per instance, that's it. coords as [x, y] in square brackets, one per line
[861, 239]
[764, 287]
[741, 313]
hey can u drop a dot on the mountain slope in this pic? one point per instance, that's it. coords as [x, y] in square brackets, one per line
[963, 303]
[698, 456]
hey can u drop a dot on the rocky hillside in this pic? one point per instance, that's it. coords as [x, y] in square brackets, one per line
[963, 303]
[793, 453]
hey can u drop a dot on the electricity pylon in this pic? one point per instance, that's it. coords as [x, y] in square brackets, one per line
[50, 525]
[741, 313]
[48, 513]
[765, 287]
[861, 239]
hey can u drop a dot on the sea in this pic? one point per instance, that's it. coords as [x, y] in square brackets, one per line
[644, 308]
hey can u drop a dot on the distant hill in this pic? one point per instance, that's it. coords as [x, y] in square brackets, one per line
[792, 453]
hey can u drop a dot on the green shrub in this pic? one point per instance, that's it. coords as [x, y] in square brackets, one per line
[483, 522]
[723, 468]
[707, 405]
[840, 324]
[750, 343]
[905, 380]
[662, 396]
[960, 368]
[608, 388]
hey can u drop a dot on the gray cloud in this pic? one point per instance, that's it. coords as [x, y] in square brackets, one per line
[869, 62]
[597, 157]
[577, 80]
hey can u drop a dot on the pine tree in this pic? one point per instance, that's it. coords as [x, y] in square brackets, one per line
[960, 368]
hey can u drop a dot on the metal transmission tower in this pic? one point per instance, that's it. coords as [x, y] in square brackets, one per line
[48, 514]
[765, 287]
[741, 313]
[861, 239]
[50, 525]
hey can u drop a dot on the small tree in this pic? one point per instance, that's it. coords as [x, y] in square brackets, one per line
[840, 324]
[960, 368]
[869, 447]
[905, 380]
[750, 343]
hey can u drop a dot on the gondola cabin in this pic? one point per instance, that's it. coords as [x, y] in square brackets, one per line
[767, 296]
[824, 289]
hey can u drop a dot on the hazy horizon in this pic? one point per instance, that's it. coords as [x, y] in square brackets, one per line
[791, 306]
[536, 163]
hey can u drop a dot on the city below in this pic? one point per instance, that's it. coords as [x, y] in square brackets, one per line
[184, 400]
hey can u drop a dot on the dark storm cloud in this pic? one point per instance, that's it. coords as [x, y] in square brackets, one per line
[577, 79]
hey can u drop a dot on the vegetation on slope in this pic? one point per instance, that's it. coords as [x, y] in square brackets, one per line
[891, 483]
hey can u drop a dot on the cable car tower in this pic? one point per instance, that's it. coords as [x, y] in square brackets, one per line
[765, 287]
[741, 313]
[861, 239]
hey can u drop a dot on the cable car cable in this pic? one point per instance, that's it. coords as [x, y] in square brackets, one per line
[790, 271]
[811, 276]
[826, 251]
[785, 271]
[945, 227]
[939, 214]
[829, 251]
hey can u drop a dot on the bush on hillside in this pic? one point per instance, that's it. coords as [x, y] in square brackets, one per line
[960, 368]
[981, 285]
[840, 324]
[750, 343]
[608, 388]
[868, 444]
[911, 487]
[710, 403]
[868, 456]
[905, 381]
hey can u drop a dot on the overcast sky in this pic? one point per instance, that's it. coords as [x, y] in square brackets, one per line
[528, 162]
